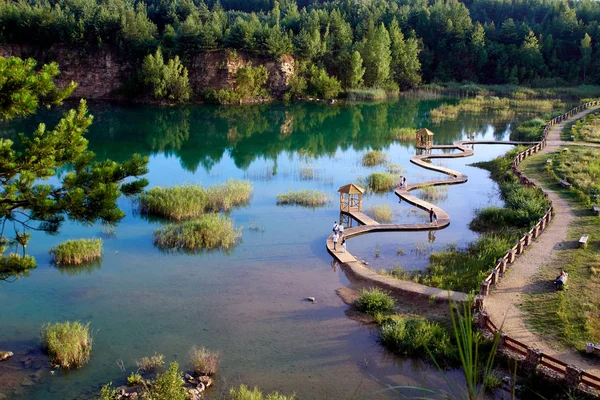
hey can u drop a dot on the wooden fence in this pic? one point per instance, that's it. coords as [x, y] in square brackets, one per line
[532, 358]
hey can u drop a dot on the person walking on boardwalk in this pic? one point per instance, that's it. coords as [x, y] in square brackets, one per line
[335, 240]
[404, 182]
[401, 182]
[341, 229]
[336, 227]
[432, 216]
[343, 245]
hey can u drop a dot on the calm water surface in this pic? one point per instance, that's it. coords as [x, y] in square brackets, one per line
[248, 303]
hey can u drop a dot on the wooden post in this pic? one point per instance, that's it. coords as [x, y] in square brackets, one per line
[484, 290]
[511, 256]
[502, 263]
[495, 275]
[527, 239]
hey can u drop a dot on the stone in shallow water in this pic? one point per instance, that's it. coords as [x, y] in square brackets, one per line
[205, 380]
[5, 355]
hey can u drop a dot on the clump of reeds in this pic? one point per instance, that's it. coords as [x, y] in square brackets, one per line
[189, 201]
[151, 364]
[366, 94]
[210, 231]
[374, 300]
[381, 213]
[434, 193]
[204, 361]
[381, 181]
[373, 158]
[308, 172]
[245, 393]
[304, 197]
[68, 344]
[74, 252]
[404, 134]
[395, 169]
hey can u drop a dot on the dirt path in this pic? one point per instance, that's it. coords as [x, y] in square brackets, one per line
[503, 303]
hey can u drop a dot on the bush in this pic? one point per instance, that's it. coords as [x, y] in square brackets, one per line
[249, 84]
[209, 231]
[154, 363]
[373, 158]
[68, 344]
[167, 81]
[529, 131]
[381, 213]
[204, 362]
[168, 385]
[381, 181]
[108, 392]
[320, 84]
[305, 197]
[374, 300]
[74, 252]
[134, 379]
[244, 393]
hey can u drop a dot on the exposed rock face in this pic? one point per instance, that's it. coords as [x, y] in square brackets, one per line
[101, 73]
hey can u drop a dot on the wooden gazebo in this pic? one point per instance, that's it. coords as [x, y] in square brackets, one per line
[351, 198]
[424, 139]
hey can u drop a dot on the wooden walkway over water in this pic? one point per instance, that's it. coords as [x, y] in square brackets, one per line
[369, 225]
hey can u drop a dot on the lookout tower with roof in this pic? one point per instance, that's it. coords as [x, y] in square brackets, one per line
[351, 198]
[424, 139]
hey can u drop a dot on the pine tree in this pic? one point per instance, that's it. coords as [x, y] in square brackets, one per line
[586, 53]
[357, 71]
[376, 54]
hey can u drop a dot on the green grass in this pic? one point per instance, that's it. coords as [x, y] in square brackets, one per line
[570, 317]
[134, 379]
[374, 300]
[204, 361]
[367, 94]
[580, 167]
[151, 364]
[68, 344]
[434, 194]
[208, 232]
[75, 252]
[381, 213]
[373, 158]
[190, 201]
[244, 393]
[552, 90]
[529, 131]
[586, 129]
[404, 134]
[304, 197]
[382, 182]
[167, 386]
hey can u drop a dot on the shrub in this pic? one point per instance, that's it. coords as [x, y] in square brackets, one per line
[244, 393]
[168, 385]
[167, 81]
[374, 300]
[154, 363]
[373, 158]
[305, 197]
[529, 131]
[320, 84]
[209, 231]
[204, 362]
[108, 392]
[249, 84]
[381, 213]
[134, 379]
[73, 252]
[381, 181]
[68, 344]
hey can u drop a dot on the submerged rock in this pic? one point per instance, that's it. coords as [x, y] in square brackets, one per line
[205, 380]
[5, 355]
[311, 299]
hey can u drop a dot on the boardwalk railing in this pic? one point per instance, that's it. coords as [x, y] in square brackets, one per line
[533, 359]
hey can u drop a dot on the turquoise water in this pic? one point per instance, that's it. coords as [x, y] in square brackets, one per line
[248, 303]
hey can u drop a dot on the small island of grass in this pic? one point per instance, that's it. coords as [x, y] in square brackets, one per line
[75, 252]
[304, 197]
[68, 344]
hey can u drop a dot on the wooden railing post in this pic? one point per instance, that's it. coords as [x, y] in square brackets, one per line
[533, 358]
[527, 239]
[484, 289]
[573, 375]
[502, 264]
[511, 256]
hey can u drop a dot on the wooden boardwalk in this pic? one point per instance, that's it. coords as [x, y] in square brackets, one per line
[356, 267]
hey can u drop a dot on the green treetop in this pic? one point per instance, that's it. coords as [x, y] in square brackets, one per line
[86, 193]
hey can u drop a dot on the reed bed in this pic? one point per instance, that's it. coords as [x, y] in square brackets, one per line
[75, 252]
[374, 158]
[208, 232]
[151, 364]
[380, 182]
[434, 193]
[368, 94]
[204, 361]
[304, 197]
[245, 393]
[395, 169]
[381, 213]
[404, 134]
[68, 344]
[189, 201]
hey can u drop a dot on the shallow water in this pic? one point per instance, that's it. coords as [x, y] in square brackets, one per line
[248, 303]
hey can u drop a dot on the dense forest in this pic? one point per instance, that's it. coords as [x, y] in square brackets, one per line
[386, 44]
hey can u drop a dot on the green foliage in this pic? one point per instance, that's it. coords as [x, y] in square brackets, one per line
[208, 232]
[108, 392]
[168, 82]
[250, 85]
[356, 72]
[245, 393]
[188, 201]
[417, 336]
[581, 168]
[204, 361]
[321, 85]
[381, 181]
[376, 54]
[529, 131]
[134, 379]
[373, 158]
[587, 129]
[68, 344]
[374, 300]
[74, 252]
[304, 197]
[168, 385]
[151, 364]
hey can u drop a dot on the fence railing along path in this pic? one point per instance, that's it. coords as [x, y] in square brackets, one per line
[532, 357]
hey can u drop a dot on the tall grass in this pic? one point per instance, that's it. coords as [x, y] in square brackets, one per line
[304, 197]
[382, 181]
[404, 134]
[209, 231]
[374, 300]
[74, 252]
[381, 213]
[587, 129]
[151, 364]
[367, 94]
[434, 193]
[529, 131]
[244, 393]
[204, 361]
[373, 158]
[189, 201]
[68, 344]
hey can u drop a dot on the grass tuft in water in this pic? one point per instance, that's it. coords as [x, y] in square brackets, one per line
[382, 181]
[244, 393]
[434, 194]
[374, 300]
[75, 252]
[304, 197]
[204, 361]
[151, 364]
[373, 158]
[68, 344]
[210, 231]
[381, 213]
[404, 134]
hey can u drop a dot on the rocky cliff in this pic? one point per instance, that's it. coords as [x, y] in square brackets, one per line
[101, 73]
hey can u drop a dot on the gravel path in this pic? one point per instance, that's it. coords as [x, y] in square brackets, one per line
[503, 303]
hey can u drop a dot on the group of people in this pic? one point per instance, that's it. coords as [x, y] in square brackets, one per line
[338, 232]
